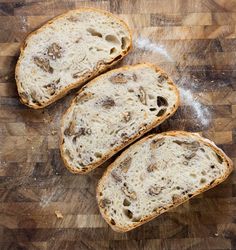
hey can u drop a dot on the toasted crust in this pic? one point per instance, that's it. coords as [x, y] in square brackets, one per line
[148, 128]
[119, 228]
[76, 84]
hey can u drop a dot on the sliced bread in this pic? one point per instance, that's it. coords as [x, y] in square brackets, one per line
[112, 111]
[157, 173]
[66, 52]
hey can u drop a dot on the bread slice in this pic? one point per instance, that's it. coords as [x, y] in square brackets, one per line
[157, 173]
[113, 110]
[66, 52]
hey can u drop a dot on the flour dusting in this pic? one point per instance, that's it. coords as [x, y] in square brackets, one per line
[24, 23]
[46, 199]
[146, 44]
[200, 112]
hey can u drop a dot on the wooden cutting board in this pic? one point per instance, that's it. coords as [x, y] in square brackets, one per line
[43, 206]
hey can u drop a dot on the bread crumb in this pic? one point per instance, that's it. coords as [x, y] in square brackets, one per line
[58, 214]
[53, 132]
[6, 77]
[216, 234]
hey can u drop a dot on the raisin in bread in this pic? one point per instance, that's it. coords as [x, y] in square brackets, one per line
[157, 173]
[66, 52]
[113, 110]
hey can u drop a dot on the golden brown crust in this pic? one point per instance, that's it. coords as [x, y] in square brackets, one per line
[138, 135]
[207, 142]
[76, 84]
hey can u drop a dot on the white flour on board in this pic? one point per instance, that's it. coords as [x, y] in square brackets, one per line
[201, 113]
[146, 44]
[24, 23]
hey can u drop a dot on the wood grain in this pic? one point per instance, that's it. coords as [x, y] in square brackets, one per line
[195, 42]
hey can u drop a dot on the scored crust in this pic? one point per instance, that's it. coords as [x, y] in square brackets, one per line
[100, 69]
[119, 228]
[158, 121]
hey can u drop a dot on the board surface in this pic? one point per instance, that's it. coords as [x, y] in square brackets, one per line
[43, 206]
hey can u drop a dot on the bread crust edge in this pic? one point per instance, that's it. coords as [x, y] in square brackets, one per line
[158, 212]
[101, 69]
[158, 121]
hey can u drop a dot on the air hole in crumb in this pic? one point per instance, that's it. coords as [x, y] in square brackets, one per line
[93, 32]
[113, 50]
[219, 158]
[202, 149]
[124, 42]
[100, 193]
[212, 166]
[152, 109]
[112, 222]
[112, 39]
[178, 188]
[128, 213]
[190, 195]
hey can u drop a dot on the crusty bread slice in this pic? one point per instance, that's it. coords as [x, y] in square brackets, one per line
[66, 52]
[157, 173]
[113, 110]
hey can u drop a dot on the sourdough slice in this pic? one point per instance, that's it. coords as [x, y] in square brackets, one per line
[112, 111]
[66, 52]
[157, 173]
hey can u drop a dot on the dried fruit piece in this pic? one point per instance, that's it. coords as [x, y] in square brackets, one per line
[162, 77]
[154, 190]
[51, 88]
[108, 103]
[142, 96]
[219, 158]
[175, 197]
[24, 95]
[190, 156]
[193, 146]
[127, 116]
[116, 176]
[125, 164]
[161, 101]
[70, 130]
[119, 78]
[129, 193]
[54, 51]
[73, 19]
[126, 202]
[43, 64]
[104, 203]
[135, 77]
[151, 167]
[82, 131]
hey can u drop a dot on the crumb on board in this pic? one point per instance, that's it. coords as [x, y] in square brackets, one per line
[53, 132]
[58, 214]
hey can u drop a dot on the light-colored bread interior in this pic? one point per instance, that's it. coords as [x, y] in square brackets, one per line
[112, 110]
[157, 173]
[66, 52]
